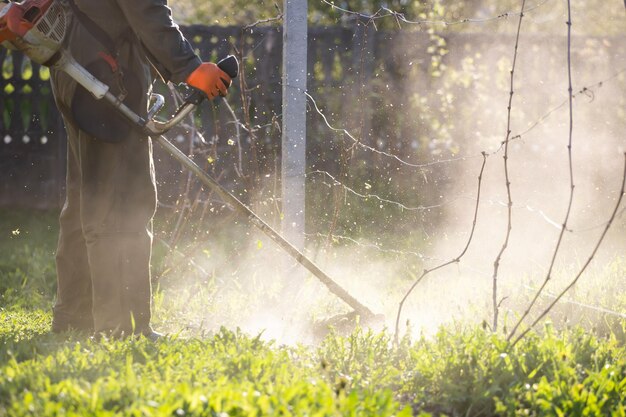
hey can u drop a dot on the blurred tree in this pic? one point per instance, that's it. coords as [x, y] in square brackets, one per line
[599, 17]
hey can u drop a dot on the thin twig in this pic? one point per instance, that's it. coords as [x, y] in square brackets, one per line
[380, 199]
[587, 90]
[337, 197]
[183, 199]
[450, 262]
[586, 264]
[183, 258]
[384, 12]
[261, 22]
[571, 177]
[579, 304]
[245, 105]
[583, 90]
[376, 151]
[374, 246]
[496, 263]
[237, 124]
[598, 226]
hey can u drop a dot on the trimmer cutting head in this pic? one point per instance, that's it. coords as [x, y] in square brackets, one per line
[346, 323]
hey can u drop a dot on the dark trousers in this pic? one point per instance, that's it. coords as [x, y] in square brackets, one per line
[104, 249]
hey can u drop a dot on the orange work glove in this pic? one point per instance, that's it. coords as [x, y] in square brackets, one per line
[209, 78]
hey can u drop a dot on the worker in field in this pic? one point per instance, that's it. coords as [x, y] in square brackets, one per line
[104, 248]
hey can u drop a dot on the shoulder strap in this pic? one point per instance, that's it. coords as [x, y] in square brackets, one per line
[94, 29]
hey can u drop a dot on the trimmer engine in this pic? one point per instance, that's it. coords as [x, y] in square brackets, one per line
[35, 27]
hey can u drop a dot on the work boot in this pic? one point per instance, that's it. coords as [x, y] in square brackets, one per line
[62, 324]
[149, 334]
[153, 336]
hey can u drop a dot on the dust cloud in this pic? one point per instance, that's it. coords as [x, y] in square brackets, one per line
[260, 291]
[539, 184]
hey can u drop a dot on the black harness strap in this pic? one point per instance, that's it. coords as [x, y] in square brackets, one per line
[94, 29]
[111, 54]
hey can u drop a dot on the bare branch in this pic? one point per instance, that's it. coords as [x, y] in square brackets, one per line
[571, 177]
[496, 263]
[379, 248]
[584, 267]
[376, 151]
[587, 90]
[384, 12]
[381, 199]
[450, 262]
[238, 124]
[579, 304]
[277, 18]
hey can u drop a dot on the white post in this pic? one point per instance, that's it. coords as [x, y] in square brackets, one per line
[294, 119]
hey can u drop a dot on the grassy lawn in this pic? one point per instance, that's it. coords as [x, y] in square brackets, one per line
[461, 371]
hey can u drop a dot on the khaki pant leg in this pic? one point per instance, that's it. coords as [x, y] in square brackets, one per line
[118, 200]
[73, 305]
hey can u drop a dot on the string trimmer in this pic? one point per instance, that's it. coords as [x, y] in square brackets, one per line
[37, 28]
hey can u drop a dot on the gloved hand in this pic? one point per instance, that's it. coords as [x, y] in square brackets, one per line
[209, 78]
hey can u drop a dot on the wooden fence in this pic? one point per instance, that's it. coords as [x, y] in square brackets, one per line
[350, 69]
[32, 138]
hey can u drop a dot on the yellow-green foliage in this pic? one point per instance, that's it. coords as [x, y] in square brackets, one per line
[604, 16]
[458, 372]
[229, 373]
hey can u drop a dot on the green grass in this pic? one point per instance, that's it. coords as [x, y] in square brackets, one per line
[227, 373]
[461, 371]
[27, 247]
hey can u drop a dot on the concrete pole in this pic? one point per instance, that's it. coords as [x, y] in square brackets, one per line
[294, 119]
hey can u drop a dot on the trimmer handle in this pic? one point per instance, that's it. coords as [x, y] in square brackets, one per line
[229, 65]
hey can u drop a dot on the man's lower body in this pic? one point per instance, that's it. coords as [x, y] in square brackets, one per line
[104, 249]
